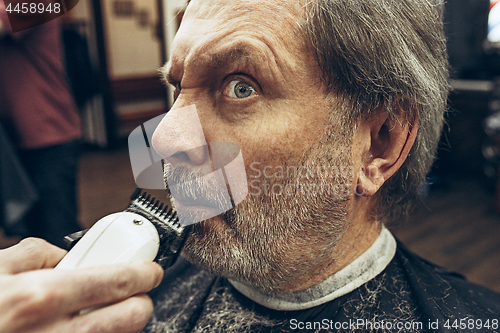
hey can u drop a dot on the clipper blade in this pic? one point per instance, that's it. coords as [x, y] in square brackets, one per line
[171, 233]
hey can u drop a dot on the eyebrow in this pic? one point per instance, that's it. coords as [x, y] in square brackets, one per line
[224, 59]
[215, 61]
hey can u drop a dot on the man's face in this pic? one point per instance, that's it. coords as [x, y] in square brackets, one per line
[254, 82]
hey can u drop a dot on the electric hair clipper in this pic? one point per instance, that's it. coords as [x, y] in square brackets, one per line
[145, 231]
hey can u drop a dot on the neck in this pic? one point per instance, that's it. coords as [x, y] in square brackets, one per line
[363, 269]
[359, 236]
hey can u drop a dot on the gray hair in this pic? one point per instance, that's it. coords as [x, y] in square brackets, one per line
[391, 54]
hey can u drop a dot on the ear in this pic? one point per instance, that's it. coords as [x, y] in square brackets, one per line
[387, 143]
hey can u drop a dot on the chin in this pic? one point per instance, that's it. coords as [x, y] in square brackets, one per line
[268, 253]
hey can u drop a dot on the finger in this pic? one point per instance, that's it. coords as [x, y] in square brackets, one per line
[41, 295]
[81, 289]
[29, 254]
[128, 316]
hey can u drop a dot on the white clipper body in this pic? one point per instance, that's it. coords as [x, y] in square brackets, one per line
[123, 237]
[145, 231]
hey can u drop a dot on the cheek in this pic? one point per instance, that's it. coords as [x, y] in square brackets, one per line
[280, 133]
[258, 142]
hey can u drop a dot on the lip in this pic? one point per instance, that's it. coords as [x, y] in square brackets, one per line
[200, 201]
[192, 212]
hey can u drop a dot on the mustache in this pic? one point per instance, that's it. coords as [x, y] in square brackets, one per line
[196, 189]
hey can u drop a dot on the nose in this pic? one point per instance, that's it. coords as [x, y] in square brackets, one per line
[179, 137]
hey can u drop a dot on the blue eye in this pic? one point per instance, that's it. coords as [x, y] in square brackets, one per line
[240, 89]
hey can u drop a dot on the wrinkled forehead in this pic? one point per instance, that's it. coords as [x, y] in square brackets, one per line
[279, 18]
[251, 9]
[270, 30]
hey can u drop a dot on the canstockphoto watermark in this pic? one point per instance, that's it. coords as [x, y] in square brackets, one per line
[258, 187]
[26, 14]
[364, 325]
[361, 325]
[161, 150]
[163, 142]
[290, 180]
[257, 170]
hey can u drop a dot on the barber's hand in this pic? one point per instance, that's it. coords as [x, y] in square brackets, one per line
[34, 298]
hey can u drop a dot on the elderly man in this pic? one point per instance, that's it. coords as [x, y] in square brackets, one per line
[354, 93]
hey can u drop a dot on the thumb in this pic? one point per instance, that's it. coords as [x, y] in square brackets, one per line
[29, 254]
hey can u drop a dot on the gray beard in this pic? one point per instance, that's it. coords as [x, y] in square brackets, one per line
[271, 239]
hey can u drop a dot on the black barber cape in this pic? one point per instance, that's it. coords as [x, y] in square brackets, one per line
[409, 295]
